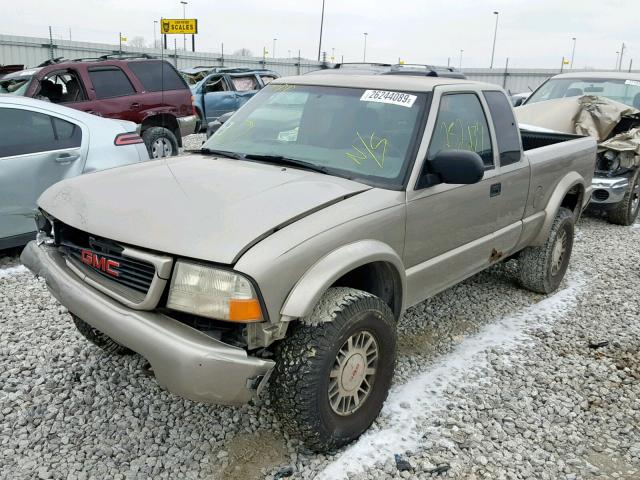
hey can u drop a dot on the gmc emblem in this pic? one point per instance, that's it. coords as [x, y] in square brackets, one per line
[101, 263]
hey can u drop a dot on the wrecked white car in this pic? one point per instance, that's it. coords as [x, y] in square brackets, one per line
[605, 106]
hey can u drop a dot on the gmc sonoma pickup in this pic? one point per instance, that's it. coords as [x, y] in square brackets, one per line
[285, 253]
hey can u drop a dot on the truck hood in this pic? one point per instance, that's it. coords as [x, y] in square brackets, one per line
[194, 206]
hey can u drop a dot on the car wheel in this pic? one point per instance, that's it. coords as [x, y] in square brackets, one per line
[626, 212]
[99, 339]
[334, 370]
[542, 268]
[160, 142]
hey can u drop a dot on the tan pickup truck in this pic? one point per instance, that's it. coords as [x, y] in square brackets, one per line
[285, 253]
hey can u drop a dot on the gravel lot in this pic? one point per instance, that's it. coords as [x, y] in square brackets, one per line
[492, 382]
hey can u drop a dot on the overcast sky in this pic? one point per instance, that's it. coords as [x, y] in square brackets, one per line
[532, 33]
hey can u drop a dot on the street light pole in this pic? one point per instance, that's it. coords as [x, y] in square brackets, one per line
[573, 52]
[364, 55]
[495, 34]
[273, 51]
[321, 25]
[460, 65]
[617, 58]
[184, 16]
[155, 22]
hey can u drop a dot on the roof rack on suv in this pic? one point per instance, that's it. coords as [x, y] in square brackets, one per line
[118, 56]
[51, 61]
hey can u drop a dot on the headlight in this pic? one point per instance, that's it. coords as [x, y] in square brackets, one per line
[212, 292]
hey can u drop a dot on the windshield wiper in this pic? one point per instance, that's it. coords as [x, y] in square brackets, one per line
[222, 153]
[280, 160]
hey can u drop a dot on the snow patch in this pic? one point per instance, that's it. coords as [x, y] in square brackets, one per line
[424, 396]
[11, 271]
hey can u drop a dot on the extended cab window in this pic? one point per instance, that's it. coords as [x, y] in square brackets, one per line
[216, 84]
[110, 82]
[462, 125]
[505, 126]
[157, 76]
[26, 132]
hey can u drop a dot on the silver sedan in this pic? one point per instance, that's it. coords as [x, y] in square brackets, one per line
[42, 143]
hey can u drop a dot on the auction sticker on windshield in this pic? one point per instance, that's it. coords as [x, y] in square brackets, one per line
[384, 96]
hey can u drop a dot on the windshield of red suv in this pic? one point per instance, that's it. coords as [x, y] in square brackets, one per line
[621, 90]
[366, 135]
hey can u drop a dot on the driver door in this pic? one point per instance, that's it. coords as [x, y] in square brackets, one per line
[450, 228]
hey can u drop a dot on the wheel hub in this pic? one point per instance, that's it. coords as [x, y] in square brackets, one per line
[161, 148]
[354, 370]
[558, 254]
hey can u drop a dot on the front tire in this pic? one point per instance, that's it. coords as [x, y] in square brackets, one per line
[626, 212]
[99, 339]
[160, 142]
[543, 268]
[334, 371]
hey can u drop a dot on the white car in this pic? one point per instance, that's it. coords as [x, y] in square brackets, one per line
[42, 143]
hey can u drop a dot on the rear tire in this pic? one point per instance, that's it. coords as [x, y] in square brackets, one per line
[543, 268]
[160, 142]
[626, 212]
[100, 339]
[333, 372]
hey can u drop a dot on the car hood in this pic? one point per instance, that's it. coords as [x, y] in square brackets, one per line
[194, 206]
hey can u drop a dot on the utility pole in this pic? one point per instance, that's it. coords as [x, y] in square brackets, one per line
[495, 34]
[562, 64]
[184, 16]
[321, 25]
[273, 51]
[364, 55]
[50, 43]
[460, 65]
[573, 52]
[617, 59]
[120, 40]
[448, 62]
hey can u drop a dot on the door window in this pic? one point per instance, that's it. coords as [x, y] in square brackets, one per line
[246, 83]
[507, 133]
[462, 125]
[110, 82]
[267, 79]
[26, 132]
[62, 87]
[216, 84]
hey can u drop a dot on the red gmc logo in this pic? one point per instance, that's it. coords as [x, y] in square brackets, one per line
[101, 263]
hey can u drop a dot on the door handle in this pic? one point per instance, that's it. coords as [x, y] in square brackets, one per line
[65, 158]
[135, 105]
[496, 189]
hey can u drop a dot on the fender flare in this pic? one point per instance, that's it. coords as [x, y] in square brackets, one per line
[307, 291]
[563, 187]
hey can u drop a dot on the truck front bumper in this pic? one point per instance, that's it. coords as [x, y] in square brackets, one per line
[187, 125]
[609, 190]
[186, 361]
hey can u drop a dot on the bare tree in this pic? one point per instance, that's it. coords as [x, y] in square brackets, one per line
[137, 42]
[243, 52]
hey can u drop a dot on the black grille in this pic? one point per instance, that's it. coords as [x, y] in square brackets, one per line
[93, 253]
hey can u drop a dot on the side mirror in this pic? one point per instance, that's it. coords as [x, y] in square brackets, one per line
[453, 167]
[519, 102]
[214, 126]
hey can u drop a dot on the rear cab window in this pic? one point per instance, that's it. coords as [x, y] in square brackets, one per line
[245, 83]
[110, 82]
[505, 126]
[462, 125]
[156, 76]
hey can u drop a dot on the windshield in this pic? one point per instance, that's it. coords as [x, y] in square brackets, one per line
[620, 90]
[366, 135]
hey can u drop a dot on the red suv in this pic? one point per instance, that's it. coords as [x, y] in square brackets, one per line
[147, 91]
